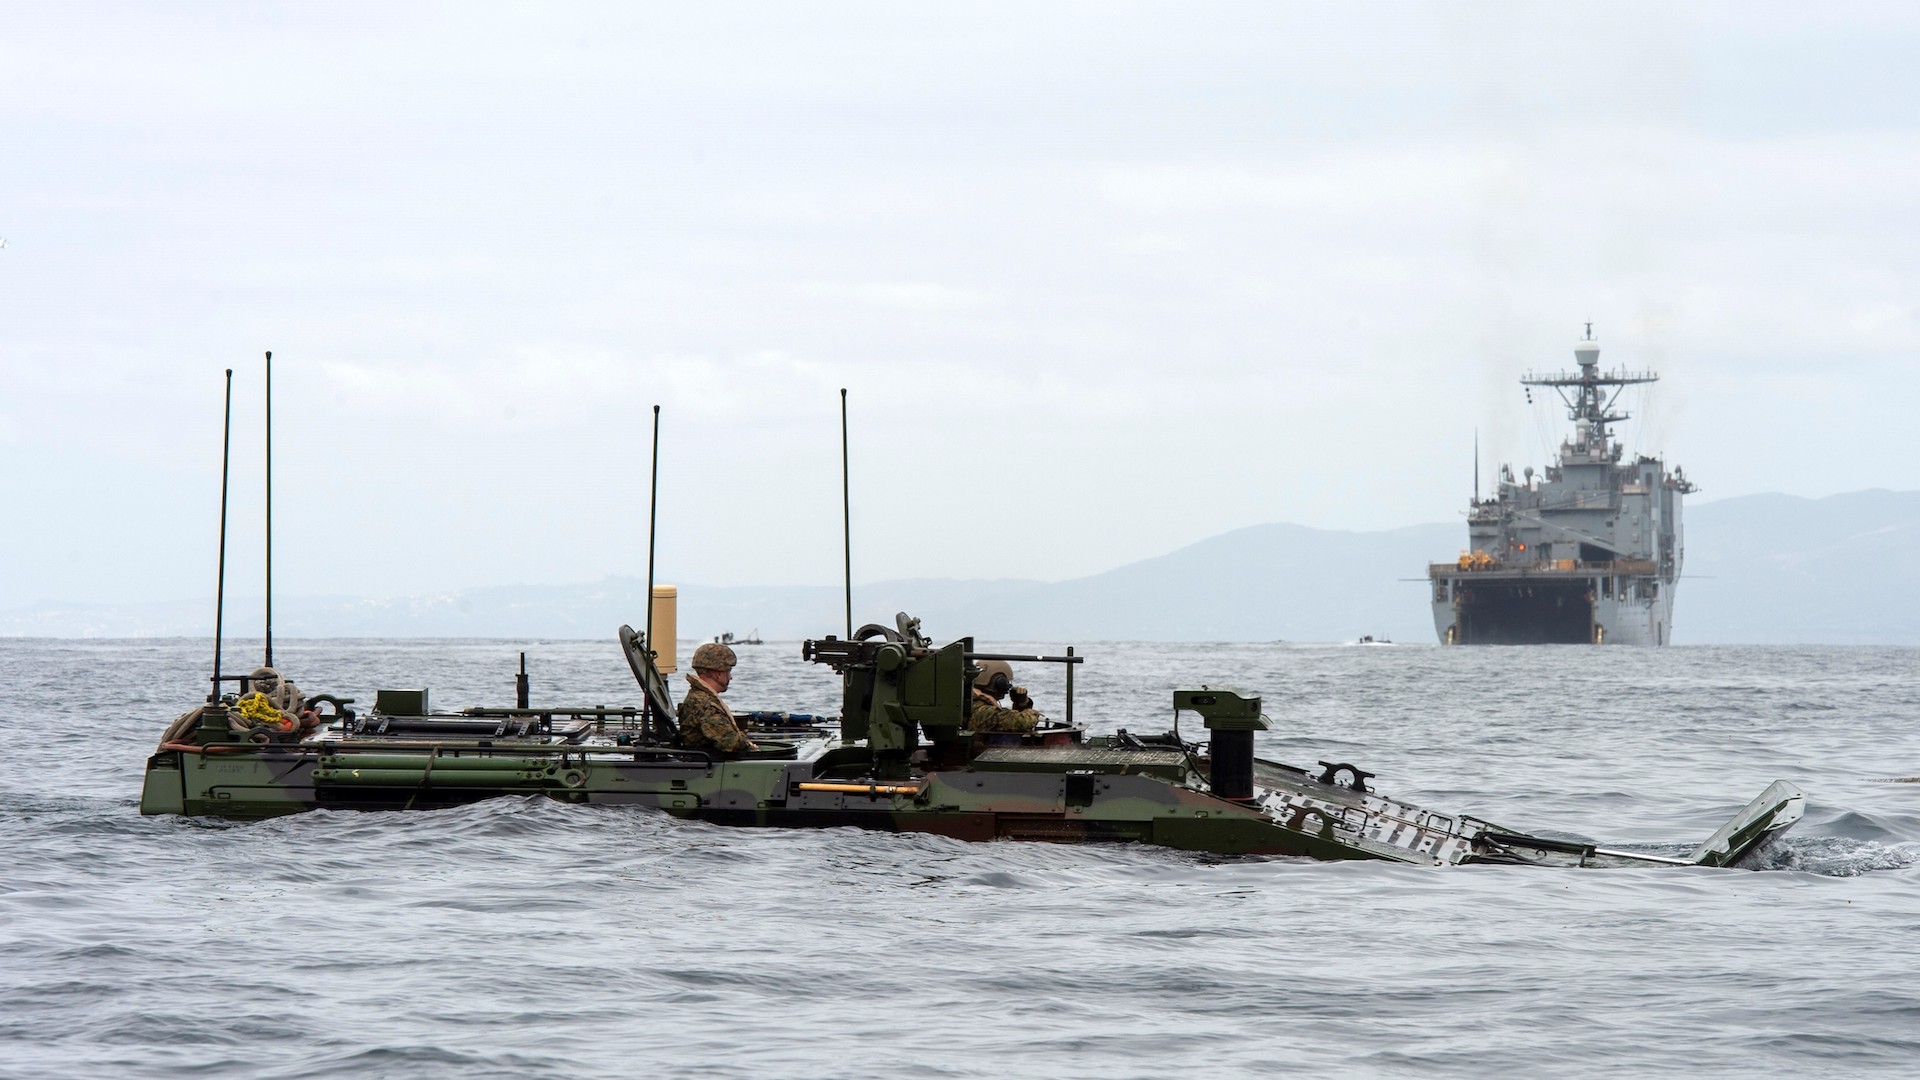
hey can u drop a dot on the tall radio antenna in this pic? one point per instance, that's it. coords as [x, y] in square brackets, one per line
[846, 510]
[269, 661]
[220, 586]
[653, 505]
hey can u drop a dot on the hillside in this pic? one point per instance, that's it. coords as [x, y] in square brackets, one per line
[1766, 569]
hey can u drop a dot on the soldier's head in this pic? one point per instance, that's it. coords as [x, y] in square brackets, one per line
[713, 662]
[995, 678]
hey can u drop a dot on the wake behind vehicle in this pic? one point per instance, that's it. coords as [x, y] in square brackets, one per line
[900, 758]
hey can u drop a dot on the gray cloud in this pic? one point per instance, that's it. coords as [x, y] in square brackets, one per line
[1103, 281]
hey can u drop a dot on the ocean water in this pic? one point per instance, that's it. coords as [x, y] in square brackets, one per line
[526, 938]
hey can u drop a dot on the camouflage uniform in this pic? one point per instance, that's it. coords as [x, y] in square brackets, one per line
[706, 723]
[987, 715]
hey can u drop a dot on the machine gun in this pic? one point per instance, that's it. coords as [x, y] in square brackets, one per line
[897, 684]
[866, 644]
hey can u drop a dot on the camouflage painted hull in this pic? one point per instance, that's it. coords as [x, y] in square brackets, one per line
[1111, 788]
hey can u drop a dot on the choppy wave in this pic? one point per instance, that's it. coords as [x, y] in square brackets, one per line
[1835, 856]
[528, 938]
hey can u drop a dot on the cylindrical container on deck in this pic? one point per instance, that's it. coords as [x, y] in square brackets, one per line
[666, 603]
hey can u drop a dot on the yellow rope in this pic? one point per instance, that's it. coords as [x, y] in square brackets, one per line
[256, 708]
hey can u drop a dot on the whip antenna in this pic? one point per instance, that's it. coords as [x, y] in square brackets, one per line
[653, 504]
[220, 586]
[846, 510]
[269, 662]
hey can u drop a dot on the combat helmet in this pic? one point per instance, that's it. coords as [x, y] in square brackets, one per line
[996, 677]
[714, 656]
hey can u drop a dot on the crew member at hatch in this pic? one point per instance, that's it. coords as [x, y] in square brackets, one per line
[705, 721]
[994, 682]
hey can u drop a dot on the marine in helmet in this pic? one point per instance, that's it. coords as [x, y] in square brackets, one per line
[705, 721]
[994, 683]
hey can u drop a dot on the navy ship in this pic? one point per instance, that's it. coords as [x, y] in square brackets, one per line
[1588, 553]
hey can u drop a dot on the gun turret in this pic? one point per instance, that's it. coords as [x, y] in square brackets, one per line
[895, 684]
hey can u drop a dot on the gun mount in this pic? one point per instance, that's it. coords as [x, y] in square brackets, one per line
[896, 684]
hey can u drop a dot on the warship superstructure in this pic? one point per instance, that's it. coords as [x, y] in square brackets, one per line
[1588, 553]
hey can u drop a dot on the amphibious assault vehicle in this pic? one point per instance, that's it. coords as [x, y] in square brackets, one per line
[900, 758]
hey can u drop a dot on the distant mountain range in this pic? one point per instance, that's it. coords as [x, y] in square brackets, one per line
[1762, 569]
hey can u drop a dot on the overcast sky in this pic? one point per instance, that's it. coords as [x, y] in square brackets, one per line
[1102, 279]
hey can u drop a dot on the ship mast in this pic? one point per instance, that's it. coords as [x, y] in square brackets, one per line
[1590, 393]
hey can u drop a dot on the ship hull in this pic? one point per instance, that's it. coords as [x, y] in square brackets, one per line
[1551, 609]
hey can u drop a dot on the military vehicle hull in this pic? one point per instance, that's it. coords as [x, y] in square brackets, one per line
[1113, 788]
[904, 756]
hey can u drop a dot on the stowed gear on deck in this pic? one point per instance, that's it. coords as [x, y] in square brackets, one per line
[268, 706]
